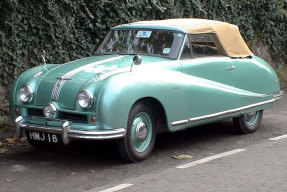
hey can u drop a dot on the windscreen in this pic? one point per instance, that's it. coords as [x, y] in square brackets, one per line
[143, 42]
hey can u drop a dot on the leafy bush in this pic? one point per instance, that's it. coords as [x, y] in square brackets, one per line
[70, 29]
[2, 121]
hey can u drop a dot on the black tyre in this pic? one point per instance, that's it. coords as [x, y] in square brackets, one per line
[140, 136]
[248, 123]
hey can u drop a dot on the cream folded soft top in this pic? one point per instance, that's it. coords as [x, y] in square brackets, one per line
[228, 34]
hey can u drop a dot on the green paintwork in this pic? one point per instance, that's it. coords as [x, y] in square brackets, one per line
[185, 88]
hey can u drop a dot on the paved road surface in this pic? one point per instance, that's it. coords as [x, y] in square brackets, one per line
[252, 162]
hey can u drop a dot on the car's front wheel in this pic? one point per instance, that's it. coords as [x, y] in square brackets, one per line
[140, 134]
[249, 122]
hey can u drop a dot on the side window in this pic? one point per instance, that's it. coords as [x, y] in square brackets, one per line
[203, 45]
[186, 52]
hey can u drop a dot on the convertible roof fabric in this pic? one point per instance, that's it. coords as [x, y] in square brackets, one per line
[228, 34]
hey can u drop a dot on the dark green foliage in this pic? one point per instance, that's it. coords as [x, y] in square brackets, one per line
[71, 29]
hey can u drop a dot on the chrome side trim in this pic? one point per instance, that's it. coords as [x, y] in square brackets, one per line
[181, 122]
[278, 95]
[186, 121]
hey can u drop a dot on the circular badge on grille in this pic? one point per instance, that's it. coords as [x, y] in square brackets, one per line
[50, 111]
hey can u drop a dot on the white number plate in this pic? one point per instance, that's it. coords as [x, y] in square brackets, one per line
[45, 137]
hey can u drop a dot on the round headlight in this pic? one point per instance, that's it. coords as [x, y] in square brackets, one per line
[50, 111]
[26, 93]
[85, 99]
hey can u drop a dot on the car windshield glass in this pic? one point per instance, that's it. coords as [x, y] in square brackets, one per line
[143, 42]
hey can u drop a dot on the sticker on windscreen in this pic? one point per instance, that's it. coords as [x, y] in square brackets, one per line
[166, 51]
[143, 34]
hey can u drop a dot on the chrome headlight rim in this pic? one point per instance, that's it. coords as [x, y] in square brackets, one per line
[26, 93]
[85, 98]
[50, 111]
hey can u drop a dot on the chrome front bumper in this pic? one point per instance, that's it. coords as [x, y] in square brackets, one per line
[66, 132]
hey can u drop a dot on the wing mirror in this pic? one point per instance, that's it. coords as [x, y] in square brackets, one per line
[137, 60]
[42, 54]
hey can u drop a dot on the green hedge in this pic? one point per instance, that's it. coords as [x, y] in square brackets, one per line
[71, 29]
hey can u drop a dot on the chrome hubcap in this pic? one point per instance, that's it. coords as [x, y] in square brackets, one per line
[141, 131]
[250, 117]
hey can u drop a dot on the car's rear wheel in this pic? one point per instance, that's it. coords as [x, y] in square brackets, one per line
[140, 135]
[249, 122]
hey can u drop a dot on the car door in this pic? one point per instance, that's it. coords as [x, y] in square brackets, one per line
[201, 58]
[210, 74]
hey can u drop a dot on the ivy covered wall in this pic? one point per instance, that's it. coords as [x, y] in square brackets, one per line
[71, 29]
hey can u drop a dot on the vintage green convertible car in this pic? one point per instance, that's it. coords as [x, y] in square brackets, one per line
[146, 77]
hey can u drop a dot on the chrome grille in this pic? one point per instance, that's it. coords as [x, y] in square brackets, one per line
[35, 112]
[74, 117]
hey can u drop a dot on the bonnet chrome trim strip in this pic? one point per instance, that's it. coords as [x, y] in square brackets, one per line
[62, 80]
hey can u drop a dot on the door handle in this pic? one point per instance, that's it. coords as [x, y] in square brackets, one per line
[232, 67]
